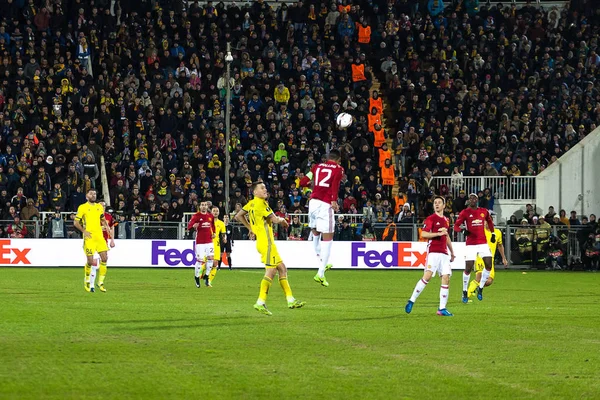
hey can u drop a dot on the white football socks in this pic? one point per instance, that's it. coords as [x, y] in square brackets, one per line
[443, 296]
[93, 274]
[316, 241]
[325, 249]
[418, 289]
[485, 274]
[466, 278]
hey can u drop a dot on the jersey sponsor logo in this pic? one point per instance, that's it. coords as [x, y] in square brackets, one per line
[172, 257]
[12, 255]
[400, 255]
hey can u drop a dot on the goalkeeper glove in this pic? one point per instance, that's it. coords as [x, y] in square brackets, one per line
[493, 238]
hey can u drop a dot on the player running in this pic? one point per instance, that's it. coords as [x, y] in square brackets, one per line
[109, 235]
[474, 218]
[204, 224]
[479, 265]
[260, 225]
[90, 221]
[218, 236]
[326, 178]
[435, 229]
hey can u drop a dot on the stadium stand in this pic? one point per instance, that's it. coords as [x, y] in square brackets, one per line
[141, 85]
[489, 91]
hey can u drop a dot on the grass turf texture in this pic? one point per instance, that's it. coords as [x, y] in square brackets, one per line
[154, 335]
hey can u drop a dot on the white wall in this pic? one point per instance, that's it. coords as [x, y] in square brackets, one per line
[573, 182]
[505, 208]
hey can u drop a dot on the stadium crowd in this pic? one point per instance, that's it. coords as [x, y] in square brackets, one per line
[474, 90]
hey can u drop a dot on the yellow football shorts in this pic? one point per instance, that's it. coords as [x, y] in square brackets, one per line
[480, 265]
[268, 253]
[94, 245]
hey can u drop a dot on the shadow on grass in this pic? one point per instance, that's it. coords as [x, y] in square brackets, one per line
[247, 320]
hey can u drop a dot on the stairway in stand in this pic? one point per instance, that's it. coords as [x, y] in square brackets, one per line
[388, 127]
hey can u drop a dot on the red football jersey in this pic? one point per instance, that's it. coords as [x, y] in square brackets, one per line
[326, 179]
[475, 219]
[433, 224]
[111, 222]
[205, 229]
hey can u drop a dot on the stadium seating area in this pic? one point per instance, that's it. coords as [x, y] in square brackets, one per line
[488, 91]
[143, 86]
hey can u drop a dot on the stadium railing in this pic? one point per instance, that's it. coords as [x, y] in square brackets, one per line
[502, 187]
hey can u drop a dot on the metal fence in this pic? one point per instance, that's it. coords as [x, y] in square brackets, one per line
[502, 187]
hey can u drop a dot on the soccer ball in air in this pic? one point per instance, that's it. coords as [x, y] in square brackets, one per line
[344, 120]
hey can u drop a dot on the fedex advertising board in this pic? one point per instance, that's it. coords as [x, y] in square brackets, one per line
[180, 254]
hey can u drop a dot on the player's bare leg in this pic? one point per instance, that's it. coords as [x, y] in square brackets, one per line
[466, 278]
[102, 270]
[485, 275]
[87, 271]
[419, 287]
[285, 285]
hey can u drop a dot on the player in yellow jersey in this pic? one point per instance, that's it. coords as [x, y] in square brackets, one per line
[90, 221]
[258, 218]
[479, 265]
[218, 236]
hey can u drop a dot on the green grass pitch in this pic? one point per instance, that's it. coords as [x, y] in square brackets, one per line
[155, 336]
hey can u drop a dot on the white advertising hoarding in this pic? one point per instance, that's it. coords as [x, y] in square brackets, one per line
[180, 253]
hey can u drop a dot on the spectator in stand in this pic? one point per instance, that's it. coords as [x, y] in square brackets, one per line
[495, 91]
[17, 230]
[127, 83]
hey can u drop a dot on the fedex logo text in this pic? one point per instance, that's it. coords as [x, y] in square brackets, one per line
[400, 255]
[11, 255]
[171, 257]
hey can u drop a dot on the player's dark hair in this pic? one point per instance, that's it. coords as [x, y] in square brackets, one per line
[254, 185]
[441, 198]
[334, 155]
[91, 190]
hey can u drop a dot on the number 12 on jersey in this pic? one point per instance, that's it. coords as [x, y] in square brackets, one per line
[322, 177]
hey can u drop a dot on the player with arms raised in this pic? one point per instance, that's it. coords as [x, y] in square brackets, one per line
[258, 218]
[326, 178]
[204, 224]
[474, 218]
[435, 229]
[90, 222]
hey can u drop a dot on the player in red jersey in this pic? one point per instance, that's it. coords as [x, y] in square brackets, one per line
[109, 236]
[474, 218]
[326, 178]
[204, 224]
[435, 229]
